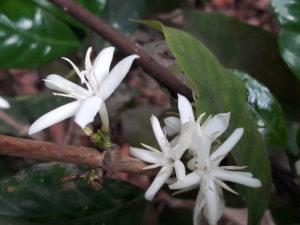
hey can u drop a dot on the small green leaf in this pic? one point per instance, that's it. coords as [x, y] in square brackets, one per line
[289, 18]
[31, 36]
[265, 110]
[218, 90]
[40, 194]
[247, 48]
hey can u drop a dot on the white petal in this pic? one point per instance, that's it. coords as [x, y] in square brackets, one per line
[185, 109]
[104, 116]
[179, 170]
[88, 64]
[102, 63]
[59, 114]
[58, 83]
[173, 125]
[159, 135]
[80, 74]
[189, 180]
[200, 147]
[214, 203]
[216, 125]
[199, 204]
[146, 156]
[115, 77]
[237, 177]
[182, 145]
[223, 150]
[4, 104]
[163, 175]
[88, 111]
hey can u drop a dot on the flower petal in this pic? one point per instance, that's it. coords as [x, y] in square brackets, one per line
[189, 180]
[199, 204]
[200, 147]
[236, 177]
[173, 125]
[163, 175]
[147, 156]
[215, 126]
[4, 104]
[181, 146]
[214, 203]
[58, 83]
[102, 63]
[179, 170]
[115, 77]
[59, 114]
[185, 110]
[159, 135]
[104, 116]
[88, 111]
[223, 150]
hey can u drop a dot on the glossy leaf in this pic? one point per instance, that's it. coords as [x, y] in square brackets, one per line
[247, 48]
[119, 17]
[25, 109]
[40, 194]
[265, 110]
[31, 36]
[289, 18]
[95, 6]
[218, 90]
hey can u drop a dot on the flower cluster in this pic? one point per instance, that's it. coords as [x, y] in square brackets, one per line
[197, 140]
[100, 83]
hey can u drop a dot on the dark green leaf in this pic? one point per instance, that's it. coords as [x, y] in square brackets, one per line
[218, 90]
[288, 14]
[247, 48]
[31, 36]
[39, 194]
[95, 6]
[265, 110]
[26, 109]
[118, 14]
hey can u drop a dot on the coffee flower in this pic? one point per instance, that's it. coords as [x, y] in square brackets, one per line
[99, 83]
[201, 135]
[205, 164]
[4, 104]
[168, 158]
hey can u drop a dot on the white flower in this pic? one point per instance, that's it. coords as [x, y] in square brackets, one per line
[4, 104]
[210, 176]
[202, 135]
[100, 83]
[168, 158]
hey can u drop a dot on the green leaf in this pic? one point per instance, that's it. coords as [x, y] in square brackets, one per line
[39, 194]
[26, 109]
[119, 17]
[218, 90]
[289, 18]
[249, 49]
[95, 6]
[31, 36]
[265, 110]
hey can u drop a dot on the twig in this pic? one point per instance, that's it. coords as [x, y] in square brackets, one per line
[161, 74]
[108, 160]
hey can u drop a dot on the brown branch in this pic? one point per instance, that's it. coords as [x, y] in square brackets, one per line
[96, 24]
[108, 160]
